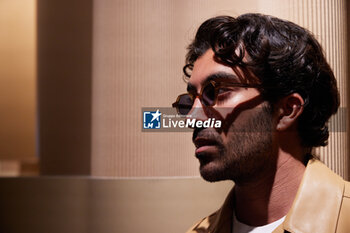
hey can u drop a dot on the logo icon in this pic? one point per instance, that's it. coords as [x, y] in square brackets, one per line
[151, 120]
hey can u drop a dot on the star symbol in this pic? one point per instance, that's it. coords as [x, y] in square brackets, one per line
[156, 115]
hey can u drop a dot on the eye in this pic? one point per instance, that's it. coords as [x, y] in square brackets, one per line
[223, 90]
[223, 95]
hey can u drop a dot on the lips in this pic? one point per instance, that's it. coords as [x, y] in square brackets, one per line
[204, 144]
[199, 142]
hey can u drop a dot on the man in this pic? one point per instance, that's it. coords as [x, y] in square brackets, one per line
[268, 81]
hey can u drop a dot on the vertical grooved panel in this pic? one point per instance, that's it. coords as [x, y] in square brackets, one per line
[138, 54]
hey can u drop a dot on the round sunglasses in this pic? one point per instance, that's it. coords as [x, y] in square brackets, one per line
[208, 95]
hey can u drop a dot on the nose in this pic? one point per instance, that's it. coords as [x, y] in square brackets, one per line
[197, 111]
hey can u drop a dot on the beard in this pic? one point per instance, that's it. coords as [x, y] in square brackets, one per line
[246, 153]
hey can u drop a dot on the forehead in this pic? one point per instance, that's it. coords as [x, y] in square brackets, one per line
[205, 66]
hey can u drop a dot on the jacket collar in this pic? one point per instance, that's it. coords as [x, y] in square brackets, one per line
[315, 208]
[317, 204]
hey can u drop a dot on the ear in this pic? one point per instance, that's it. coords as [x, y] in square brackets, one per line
[289, 109]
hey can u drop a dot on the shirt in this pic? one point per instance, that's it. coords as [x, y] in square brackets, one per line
[239, 227]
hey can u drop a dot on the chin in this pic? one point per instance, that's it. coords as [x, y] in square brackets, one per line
[212, 173]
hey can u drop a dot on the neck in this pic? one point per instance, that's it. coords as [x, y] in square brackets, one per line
[270, 197]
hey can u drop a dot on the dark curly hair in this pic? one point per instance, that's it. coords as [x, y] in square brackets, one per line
[282, 56]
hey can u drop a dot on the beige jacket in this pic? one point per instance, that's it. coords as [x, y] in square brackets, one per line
[322, 205]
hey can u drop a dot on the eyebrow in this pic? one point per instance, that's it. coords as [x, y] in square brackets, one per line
[218, 75]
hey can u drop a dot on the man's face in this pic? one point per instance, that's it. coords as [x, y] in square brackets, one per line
[244, 149]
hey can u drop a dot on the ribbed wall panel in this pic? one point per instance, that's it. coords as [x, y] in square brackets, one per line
[138, 54]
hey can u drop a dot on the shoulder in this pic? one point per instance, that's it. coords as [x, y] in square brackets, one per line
[322, 203]
[344, 213]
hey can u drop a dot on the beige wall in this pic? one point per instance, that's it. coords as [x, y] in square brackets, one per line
[347, 77]
[139, 48]
[100, 61]
[17, 83]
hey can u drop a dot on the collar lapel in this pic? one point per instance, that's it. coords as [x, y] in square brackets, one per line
[317, 203]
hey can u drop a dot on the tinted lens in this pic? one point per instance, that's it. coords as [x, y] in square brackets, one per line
[185, 104]
[208, 95]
